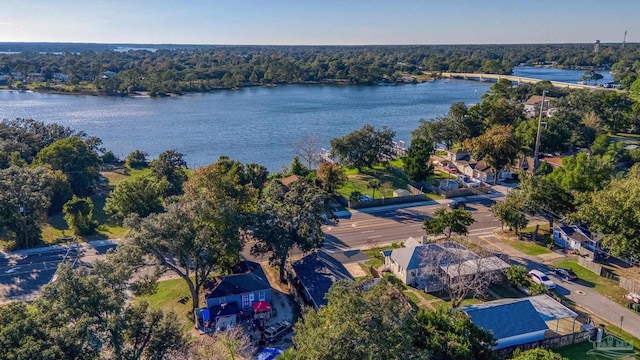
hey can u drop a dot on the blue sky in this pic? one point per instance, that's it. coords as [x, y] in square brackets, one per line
[331, 22]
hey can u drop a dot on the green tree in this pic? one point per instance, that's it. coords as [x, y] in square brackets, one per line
[356, 324]
[416, 163]
[288, 219]
[449, 334]
[510, 213]
[137, 160]
[536, 354]
[613, 212]
[142, 195]
[582, 173]
[178, 241]
[498, 147]
[331, 176]
[374, 184]
[170, 166]
[25, 195]
[297, 168]
[78, 213]
[541, 195]
[364, 147]
[77, 160]
[517, 275]
[447, 221]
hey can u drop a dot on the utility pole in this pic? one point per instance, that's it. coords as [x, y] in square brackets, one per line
[536, 153]
[23, 211]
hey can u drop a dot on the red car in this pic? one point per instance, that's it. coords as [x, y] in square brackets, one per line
[451, 170]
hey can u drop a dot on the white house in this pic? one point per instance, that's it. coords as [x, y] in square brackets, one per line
[425, 265]
[575, 238]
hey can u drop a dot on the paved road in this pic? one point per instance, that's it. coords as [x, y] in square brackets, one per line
[23, 273]
[580, 292]
[383, 226]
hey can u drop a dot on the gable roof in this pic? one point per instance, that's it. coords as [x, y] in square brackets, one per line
[507, 319]
[537, 99]
[286, 181]
[418, 257]
[248, 277]
[576, 232]
[482, 166]
[317, 272]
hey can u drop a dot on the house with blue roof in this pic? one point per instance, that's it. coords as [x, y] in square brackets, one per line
[520, 321]
[511, 324]
[315, 273]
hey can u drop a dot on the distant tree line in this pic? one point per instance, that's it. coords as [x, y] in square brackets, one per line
[196, 69]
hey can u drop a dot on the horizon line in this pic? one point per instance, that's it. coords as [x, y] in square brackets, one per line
[308, 45]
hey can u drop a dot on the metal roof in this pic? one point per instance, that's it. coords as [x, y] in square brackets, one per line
[548, 308]
[506, 320]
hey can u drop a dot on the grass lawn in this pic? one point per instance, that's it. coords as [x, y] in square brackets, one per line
[528, 247]
[166, 299]
[357, 180]
[375, 257]
[579, 351]
[412, 297]
[439, 175]
[603, 286]
[506, 291]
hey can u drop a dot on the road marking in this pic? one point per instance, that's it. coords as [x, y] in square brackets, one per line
[482, 233]
[367, 231]
[374, 237]
[483, 229]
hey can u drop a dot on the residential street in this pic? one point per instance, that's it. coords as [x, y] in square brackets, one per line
[582, 295]
[23, 273]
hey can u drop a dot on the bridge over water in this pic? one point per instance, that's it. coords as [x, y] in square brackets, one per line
[517, 79]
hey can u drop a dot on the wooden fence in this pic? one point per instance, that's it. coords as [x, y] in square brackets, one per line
[551, 342]
[590, 265]
[630, 285]
[417, 195]
[461, 192]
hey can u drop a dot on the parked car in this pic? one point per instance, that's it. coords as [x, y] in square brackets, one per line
[450, 169]
[276, 331]
[539, 277]
[565, 273]
[457, 204]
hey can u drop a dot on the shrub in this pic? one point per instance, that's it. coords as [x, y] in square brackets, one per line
[517, 275]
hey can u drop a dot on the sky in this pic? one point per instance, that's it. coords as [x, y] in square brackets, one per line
[319, 22]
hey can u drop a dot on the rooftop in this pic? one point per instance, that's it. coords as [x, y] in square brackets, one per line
[317, 272]
[506, 320]
[248, 277]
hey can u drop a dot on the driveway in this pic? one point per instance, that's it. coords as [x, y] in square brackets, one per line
[583, 296]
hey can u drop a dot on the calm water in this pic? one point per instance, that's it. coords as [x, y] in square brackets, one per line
[546, 73]
[251, 124]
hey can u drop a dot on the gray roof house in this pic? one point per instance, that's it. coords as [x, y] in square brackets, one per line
[315, 273]
[424, 265]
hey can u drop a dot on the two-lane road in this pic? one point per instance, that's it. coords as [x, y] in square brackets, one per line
[383, 227]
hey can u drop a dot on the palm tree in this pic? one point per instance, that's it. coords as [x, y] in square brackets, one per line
[374, 184]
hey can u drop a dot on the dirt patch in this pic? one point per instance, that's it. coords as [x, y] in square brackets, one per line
[273, 275]
[355, 270]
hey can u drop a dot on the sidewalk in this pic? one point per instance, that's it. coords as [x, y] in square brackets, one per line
[591, 301]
